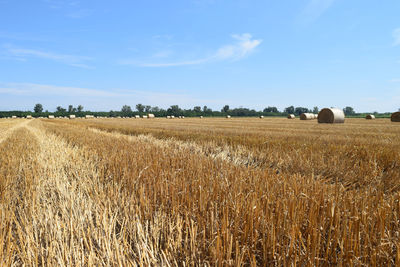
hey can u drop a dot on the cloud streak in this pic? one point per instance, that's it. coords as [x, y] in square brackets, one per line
[71, 60]
[314, 9]
[244, 45]
[396, 37]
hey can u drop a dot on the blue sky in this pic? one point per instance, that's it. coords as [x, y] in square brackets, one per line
[254, 53]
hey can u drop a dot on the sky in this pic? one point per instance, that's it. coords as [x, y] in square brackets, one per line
[249, 53]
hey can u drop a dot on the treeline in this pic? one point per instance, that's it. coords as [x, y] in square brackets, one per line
[175, 110]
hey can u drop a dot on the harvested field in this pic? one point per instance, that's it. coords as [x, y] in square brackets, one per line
[199, 192]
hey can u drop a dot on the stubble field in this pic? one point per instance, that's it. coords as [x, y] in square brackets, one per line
[221, 192]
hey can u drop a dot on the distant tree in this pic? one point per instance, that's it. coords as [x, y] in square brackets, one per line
[112, 113]
[205, 109]
[80, 108]
[60, 109]
[349, 111]
[225, 108]
[289, 110]
[126, 109]
[155, 109]
[299, 110]
[71, 109]
[174, 110]
[271, 109]
[315, 110]
[140, 108]
[38, 108]
[147, 108]
[197, 109]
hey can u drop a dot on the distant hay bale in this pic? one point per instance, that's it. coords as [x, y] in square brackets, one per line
[261, 117]
[14, 117]
[201, 117]
[51, 116]
[71, 117]
[144, 116]
[29, 117]
[137, 116]
[370, 117]
[182, 117]
[228, 116]
[291, 116]
[172, 117]
[150, 116]
[307, 116]
[395, 117]
[331, 115]
[168, 117]
[89, 117]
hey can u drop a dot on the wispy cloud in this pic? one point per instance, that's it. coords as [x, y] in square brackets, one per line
[29, 93]
[396, 37]
[395, 80]
[23, 54]
[243, 46]
[314, 9]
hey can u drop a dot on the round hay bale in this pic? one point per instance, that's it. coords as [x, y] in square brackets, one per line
[228, 116]
[71, 117]
[261, 117]
[168, 117]
[144, 116]
[172, 117]
[137, 117]
[331, 115]
[395, 117]
[201, 117]
[150, 116]
[307, 116]
[370, 117]
[291, 116]
[89, 117]
[51, 116]
[29, 117]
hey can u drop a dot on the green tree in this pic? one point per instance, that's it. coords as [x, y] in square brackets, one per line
[147, 108]
[197, 109]
[349, 111]
[126, 110]
[271, 110]
[71, 109]
[225, 108]
[140, 108]
[315, 110]
[289, 110]
[38, 108]
[80, 108]
[60, 109]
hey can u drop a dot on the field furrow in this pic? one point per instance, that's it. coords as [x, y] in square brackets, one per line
[215, 211]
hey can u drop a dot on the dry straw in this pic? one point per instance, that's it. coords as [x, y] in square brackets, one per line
[331, 115]
[370, 117]
[395, 117]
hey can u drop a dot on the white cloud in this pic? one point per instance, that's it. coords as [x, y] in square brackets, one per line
[24, 54]
[27, 94]
[396, 37]
[394, 80]
[314, 9]
[244, 45]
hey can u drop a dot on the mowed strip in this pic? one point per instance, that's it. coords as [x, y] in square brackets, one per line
[75, 213]
[18, 177]
[363, 161]
[213, 211]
